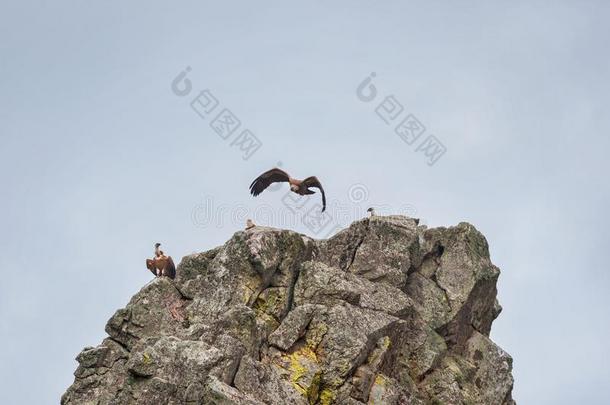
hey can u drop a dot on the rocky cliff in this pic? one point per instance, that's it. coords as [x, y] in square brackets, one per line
[384, 312]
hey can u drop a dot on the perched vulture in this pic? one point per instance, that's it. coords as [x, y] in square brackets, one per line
[161, 265]
[300, 187]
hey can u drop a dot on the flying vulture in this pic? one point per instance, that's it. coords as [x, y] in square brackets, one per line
[300, 187]
[161, 265]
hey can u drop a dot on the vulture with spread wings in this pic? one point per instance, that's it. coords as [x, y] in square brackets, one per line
[300, 187]
[161, 265]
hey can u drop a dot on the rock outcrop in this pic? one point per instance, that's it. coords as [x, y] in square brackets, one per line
[384, 312]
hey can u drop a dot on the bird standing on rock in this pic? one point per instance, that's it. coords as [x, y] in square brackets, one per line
[161, 265]
[300, 187]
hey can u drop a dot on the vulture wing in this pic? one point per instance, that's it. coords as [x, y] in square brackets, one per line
[150, 265]
[264, 180]
[314, 182]
[170, 268]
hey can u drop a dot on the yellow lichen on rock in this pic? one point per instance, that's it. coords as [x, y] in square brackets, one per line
[386, 342]
[380, 380]
[377, 390]
[304, 375]
[246, 294]
[314, 388]
[327, 396]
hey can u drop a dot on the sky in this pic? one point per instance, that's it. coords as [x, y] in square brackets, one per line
[106, 149]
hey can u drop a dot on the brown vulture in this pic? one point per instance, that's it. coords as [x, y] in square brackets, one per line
[300, 187]
[161, 265]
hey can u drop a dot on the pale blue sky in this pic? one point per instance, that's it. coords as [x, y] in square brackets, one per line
[100, 159]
